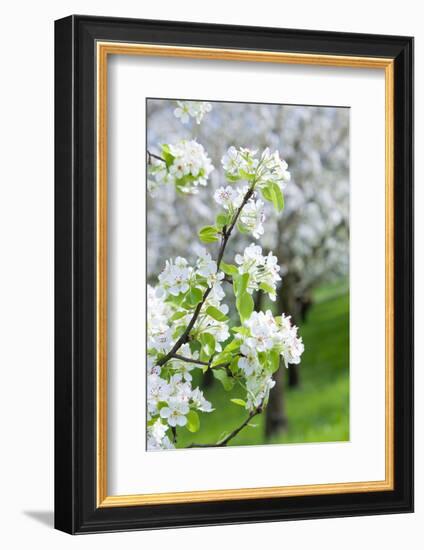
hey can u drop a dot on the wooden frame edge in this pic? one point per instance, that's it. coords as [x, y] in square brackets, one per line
[103, 49]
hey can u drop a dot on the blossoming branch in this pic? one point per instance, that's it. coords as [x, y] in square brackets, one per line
[188, 325]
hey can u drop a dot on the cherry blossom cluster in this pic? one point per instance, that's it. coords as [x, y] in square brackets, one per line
[243, 164]
[263, 270]
[171, 399]
[171, 402]
[192, 109]
[189, 326]
[251, 217]
[267, 174]
[184, 164]
[263, 339]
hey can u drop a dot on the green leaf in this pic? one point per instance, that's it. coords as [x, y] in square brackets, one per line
[246, 176]
[243, 229]
[240, 283]
[267, 288]
[194, 346]
[221, 220]
[193, 422]
[241, 330]
[216, 314]
[208, 345]
[194, 296]
[263, 358]
[222, 376]
[266, 193]
[273, 193]
[208, 234]
[228, 269]
[167, 156]
[274, 360]
[237, 401]
[175, 300]
[221, 358]
[178, 315]
[231, 178]
[234, 365]
[245, 305]
[179, 331]
[277, 197]
[234, 345]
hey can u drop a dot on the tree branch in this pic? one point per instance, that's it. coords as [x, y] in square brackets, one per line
[190, 360]
[225, 237]
[231, 435]
[227, 232]
[202, 363]
[152, 155]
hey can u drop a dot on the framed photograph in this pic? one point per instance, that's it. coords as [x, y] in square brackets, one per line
[234, 274]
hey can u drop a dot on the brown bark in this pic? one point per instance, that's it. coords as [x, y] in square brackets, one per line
[293, 378]
[207, 379]
[276, 418]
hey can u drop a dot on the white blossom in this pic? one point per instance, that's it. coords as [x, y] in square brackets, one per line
[184, 368]
[174, 279]
[242, 164]
[206, 267]
[239, 162]
[249, 361]
[227, 197]
[267, 332]
[261, 269]
[200, 402]
[272, 168]
[157, 431]
[159, 334]
[262, 329]
[258, 388]
[158, 390]
[252, 217]
[176, 412]
[193, 109]
[291, 344]
[186, 166]
[215, 282]
[161, 340]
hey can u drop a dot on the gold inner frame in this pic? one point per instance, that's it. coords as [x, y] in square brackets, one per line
[104, 49]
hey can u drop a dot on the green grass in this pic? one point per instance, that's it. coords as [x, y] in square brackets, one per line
[318, 410]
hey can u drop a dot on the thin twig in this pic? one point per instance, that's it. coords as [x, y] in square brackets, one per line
[157, 157]
[227, 232]
[202, 363]
[231, 435]
[190, 360]
[225, 237]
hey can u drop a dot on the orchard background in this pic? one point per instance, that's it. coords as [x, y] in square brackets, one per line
[310, 239]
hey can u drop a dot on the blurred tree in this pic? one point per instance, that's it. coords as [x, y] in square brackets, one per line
[310, 239]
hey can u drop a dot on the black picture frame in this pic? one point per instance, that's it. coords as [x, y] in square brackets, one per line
[76, 510]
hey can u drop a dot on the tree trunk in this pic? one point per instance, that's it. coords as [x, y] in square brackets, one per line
[294, 379]
[276, 419]
[207, 379]
[258, 299]
[288, 304]
[305, 304]
[292, 308]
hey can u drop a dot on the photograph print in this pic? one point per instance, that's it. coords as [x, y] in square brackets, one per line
[247, 274]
